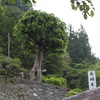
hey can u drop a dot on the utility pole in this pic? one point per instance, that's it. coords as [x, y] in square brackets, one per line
[8, 46]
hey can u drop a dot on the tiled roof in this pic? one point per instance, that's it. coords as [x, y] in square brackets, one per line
[93, 94]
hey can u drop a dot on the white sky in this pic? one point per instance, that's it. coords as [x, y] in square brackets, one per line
[62, 9]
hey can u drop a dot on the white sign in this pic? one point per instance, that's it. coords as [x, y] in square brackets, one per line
[92, 79]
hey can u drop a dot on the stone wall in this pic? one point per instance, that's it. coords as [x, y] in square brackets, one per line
[28, 90]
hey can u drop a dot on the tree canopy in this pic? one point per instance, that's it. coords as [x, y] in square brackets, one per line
[44, 29]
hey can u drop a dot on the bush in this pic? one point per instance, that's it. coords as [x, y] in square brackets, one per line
[10, 68]
[55, 81]
[73, 92]
[77, 90]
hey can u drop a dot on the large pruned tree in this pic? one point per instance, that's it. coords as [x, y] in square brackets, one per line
[46, 32]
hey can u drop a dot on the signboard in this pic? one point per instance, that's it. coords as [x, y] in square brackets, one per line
[91, 79]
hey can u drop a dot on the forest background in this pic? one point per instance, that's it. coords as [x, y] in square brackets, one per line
[73, 65]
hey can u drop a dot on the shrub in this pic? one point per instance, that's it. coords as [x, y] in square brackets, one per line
[55, 81]
[10, 68]
[77, 90]
[73, 92]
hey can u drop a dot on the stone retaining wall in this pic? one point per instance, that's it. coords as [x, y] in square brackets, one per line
[28, 90]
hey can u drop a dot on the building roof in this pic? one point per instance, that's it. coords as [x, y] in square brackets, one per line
[93, 94]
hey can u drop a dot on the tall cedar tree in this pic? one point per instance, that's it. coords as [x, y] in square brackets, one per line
[79, 47]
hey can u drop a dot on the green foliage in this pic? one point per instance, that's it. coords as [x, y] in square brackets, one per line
[92, 13]
[73, 92]
[10, 68]
[76, 78]
[57, 64]
[9, 16]
[83, 65]
[25, 54]
[79, 46]
[82, 58]
[42, 29]
[1, 49]
[51, 79]
[77, 90]
[11, 80]
[86, 7]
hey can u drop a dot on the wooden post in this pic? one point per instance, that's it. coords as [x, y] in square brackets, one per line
[8, 46]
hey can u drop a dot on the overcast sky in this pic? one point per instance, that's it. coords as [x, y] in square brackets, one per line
[62, 9]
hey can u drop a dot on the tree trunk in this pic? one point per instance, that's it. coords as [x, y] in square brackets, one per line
[36, 74]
